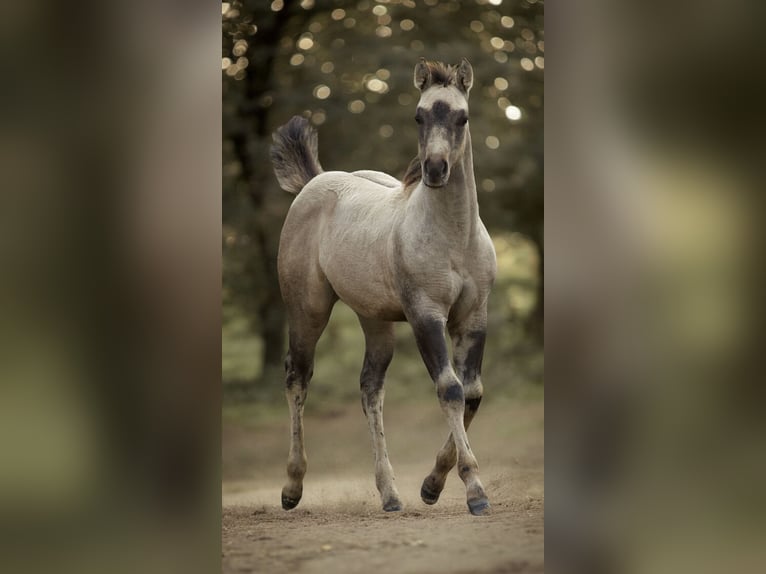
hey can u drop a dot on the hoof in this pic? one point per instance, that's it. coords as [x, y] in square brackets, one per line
[289, 503]
[428, 496]
[392, 506]
[479, 507]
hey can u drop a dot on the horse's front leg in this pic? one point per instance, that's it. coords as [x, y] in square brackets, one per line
[468, 343]
[429, 334]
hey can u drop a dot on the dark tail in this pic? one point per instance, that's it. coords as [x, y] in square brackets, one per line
[294, 154]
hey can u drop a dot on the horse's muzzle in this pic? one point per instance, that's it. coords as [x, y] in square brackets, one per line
[435, 172]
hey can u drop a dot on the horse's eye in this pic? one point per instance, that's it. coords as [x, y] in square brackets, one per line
[418, 120]
[462, 121]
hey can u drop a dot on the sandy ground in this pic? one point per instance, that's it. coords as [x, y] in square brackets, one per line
[339, 526]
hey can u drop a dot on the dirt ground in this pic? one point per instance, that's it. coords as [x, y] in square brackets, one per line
[339, 526]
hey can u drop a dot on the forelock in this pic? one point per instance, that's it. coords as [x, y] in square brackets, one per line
[442, 74]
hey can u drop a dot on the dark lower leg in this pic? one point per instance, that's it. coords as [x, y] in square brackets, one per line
[469, 349]
[446, 458]
[429, 334]
[298, 376]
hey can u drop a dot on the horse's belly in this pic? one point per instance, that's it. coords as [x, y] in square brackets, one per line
[368, 302]
[362, 286]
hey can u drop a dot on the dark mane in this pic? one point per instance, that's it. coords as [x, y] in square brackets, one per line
[413, 174]
[442, 74]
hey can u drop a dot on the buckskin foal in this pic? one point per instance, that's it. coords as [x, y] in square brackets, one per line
[411, 251]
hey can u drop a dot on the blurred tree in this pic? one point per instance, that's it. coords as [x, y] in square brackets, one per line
[348, 67]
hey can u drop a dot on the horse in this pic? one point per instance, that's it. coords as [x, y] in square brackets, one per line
[413, 250]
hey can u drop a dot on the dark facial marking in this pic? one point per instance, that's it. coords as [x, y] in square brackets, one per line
[440, 111]
[441, 114]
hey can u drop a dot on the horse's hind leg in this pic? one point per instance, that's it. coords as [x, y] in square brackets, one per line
[468, 343]
[306, 325]
[379, 341]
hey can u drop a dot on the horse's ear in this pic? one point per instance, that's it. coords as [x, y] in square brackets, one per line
[422, 75]
[465, 76]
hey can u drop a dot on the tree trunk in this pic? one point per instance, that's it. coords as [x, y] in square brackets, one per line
[249, 143]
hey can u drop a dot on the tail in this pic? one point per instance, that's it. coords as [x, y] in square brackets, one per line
[294, 154]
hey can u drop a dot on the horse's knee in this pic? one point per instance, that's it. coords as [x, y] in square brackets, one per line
[451, 392]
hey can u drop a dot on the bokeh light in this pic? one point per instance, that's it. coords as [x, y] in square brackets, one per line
[513, 113]
[377, 85]
[322, 92]
[306, 42]
[356, 106]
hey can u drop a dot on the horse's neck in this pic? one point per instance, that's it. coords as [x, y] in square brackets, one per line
[464, 203]
[455, 206]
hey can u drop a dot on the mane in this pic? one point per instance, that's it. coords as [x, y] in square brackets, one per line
[413, 174]
[441, 75]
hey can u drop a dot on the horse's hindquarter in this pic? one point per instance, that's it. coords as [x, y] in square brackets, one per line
[354, 245]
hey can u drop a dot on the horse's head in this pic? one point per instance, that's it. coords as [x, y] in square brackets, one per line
[442, 117]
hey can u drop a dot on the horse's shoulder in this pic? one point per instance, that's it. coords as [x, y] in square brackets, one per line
[483, 257]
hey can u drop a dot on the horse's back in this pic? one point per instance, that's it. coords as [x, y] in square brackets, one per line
[378, 177]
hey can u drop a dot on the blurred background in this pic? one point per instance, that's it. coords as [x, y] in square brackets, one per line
[348, 67]
[110, 250]
[654, 194]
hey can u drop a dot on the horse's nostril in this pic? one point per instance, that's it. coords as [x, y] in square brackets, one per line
[444, 168]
